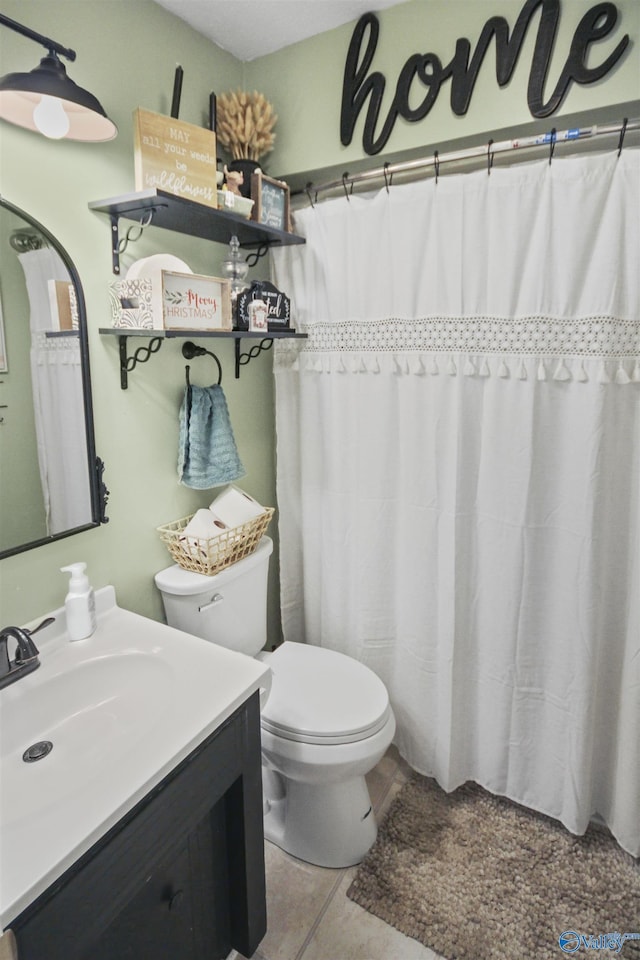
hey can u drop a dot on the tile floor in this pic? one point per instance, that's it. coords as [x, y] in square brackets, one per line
[309, 914]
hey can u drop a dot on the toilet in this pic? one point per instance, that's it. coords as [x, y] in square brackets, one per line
[326, 723]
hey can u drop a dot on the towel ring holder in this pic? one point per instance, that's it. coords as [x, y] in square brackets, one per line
[191, 350]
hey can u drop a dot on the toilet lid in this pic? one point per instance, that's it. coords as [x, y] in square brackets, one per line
[321, 696]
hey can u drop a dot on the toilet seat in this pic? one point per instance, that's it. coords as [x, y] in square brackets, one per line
[321, 696]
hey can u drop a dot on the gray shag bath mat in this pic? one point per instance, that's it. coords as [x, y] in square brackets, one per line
[476, 877]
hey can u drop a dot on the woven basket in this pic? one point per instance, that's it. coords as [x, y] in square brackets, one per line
[212, 555]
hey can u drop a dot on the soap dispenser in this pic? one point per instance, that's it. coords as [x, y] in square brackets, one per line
[80, 603]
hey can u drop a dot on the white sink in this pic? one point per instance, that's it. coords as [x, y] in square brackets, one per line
[121, 709]
[92, 713]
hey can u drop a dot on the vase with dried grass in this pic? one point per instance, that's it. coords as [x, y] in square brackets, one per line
[244, 127]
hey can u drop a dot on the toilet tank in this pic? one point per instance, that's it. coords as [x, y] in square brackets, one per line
[229, 608]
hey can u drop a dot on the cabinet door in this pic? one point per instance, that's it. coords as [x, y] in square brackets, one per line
[157, 922]
[181, 910]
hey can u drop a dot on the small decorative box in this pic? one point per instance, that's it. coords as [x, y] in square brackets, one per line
[132, 304]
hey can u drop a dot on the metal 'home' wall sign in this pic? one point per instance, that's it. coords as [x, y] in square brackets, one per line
[428, 70]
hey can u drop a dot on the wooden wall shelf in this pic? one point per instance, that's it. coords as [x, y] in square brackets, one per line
[159, 209]
[143, 353]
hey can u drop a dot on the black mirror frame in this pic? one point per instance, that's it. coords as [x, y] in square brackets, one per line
[98, 491]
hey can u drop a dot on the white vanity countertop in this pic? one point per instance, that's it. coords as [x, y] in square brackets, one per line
[122, 709]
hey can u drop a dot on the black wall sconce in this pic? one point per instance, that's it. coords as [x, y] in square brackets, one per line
[47, 101]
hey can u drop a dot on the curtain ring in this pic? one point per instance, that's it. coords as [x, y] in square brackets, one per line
[436, 163]
[622, 133]
[308, 192]
[344, 184]
[552, 146]
[489, 158]
[387, 179]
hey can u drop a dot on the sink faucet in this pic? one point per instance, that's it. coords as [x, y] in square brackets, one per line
[26, 656]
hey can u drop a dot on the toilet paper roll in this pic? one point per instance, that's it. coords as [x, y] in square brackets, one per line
[152, 267]
[233, 506]
[202, 526]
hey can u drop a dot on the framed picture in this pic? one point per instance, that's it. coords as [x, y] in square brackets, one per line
[271, 201]
[192, 302]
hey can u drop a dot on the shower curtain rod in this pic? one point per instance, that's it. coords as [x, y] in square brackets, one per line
[24, 240]
[487, 150]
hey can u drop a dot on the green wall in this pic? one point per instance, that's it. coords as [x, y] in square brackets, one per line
[305, 82]
[127, 54]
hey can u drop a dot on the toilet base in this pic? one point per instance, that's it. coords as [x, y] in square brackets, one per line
[330, 825]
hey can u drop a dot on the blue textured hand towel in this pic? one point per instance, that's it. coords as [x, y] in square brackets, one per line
[207, 456]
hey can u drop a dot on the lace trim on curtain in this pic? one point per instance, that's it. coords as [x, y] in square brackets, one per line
[55, 350]
[478, 346]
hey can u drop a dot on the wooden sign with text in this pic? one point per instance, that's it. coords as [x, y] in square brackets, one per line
[174, 156]
[424, 74]
[278, 306]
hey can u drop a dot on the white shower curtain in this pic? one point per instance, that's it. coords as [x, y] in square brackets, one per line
[458, 448]
[58, 401]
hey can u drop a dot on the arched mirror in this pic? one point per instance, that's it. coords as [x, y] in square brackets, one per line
[50, 478]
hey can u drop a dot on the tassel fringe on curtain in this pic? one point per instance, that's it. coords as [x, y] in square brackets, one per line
[443, 346]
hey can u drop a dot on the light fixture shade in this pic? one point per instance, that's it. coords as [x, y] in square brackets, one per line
[21, 93]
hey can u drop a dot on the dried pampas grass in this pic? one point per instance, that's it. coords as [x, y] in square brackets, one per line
[245, 123]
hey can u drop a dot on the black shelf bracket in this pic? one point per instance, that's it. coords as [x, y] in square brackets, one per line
[115, 246]
[170, 212]
[189, 350]
[242, 359]
[252, 258]
[141, 355]
[119, 246]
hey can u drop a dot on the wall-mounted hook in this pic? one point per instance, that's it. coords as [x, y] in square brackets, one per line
[622, 133]
[191, 350]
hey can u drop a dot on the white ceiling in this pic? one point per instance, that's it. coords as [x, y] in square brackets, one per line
[252, 28]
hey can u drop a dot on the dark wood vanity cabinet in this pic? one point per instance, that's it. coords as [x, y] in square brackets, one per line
[180, 877]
